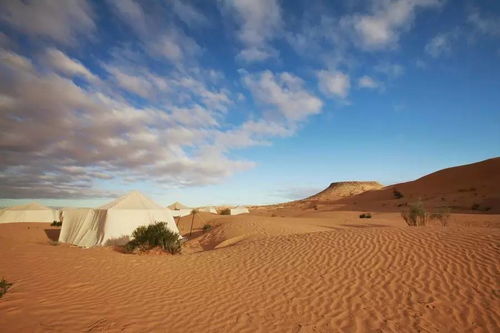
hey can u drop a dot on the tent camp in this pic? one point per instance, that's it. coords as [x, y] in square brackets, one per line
[238, 210]
[113, 223]
[32, 212]
[179, 209]
[208, 210]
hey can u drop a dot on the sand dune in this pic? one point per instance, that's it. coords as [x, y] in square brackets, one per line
[326, 272]
[472, 188]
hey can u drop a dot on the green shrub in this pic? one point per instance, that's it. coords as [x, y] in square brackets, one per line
[56, 224]
[397, 194]
[415, 215]
[225, 211]
[4, 286]
[365, 216]
[207, 227]
[442, 214]
[154, 235]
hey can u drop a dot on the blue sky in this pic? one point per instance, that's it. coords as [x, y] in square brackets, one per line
[243, 101]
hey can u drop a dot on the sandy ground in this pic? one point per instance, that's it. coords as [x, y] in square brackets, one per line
[322, 272]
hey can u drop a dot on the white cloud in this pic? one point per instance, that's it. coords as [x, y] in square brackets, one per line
[391, 70]
[132, 13]
[160, 40]
[189, 14]
[259, 22]
[61, 21]
[139, 85]
[94, 135]
[382, 27]
[66, 65]
[441, 44]
[334, 83]
[483, 24]
[368, 82]
[284, 94]
[15, 60]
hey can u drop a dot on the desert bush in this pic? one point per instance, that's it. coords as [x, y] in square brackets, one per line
[274, 215]
[397, 194]
[415, 215]
[225, 211]
[56, 224]
[154, 235]
[477, 206]
[365, 216]
[207, 227]
[4, 286]
[442, 215]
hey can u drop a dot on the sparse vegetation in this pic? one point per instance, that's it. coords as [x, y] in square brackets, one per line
[225, 211]
[154, 235]
[4, 286]
[365, 216]
[207, 227]
[415, 215]
[477, 206]
[56, 224]
[442, 215]
[397, 194]
[274, 215]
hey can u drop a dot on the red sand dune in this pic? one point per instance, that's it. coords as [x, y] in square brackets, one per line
[472, 188]
[462, 188]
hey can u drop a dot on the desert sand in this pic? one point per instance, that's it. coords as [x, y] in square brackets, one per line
[322, 272]
[301, 267]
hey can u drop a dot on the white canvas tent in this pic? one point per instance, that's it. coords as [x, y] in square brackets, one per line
[114, 222]
[179, 209]
[238, 210]
[208, 210]
[32, 212]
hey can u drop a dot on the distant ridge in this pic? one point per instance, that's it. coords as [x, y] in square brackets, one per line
[339, 190]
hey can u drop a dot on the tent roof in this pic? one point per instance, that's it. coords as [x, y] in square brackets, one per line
[132, 200]
[29, 206]
[178, 205]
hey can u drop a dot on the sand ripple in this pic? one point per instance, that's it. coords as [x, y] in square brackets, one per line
[388, 279]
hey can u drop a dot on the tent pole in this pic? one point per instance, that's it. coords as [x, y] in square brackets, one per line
[192, 220]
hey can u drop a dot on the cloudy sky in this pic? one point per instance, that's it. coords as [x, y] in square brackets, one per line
[240, 101]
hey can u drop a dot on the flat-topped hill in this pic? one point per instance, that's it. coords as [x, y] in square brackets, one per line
[340, 190]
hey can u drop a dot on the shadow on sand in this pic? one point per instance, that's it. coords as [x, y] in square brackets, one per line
[53, 234]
